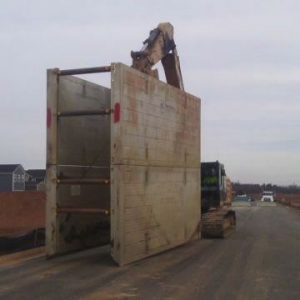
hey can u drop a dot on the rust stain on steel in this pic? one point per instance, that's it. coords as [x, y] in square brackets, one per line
[135, 85]
[136, 82]
[49, 117]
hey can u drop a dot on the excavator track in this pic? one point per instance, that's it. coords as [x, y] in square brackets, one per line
[218, 223]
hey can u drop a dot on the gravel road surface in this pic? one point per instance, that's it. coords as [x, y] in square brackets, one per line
[260, 260]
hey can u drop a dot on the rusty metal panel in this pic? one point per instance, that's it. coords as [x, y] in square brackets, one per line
[83, 140]
[155, 166]
[160, 124]
[142, 164]
[78, 158]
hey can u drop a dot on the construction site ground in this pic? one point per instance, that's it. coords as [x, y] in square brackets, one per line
[260, 260]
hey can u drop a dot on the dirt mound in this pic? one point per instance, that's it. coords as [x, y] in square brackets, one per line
[292, 200]
[21, 211]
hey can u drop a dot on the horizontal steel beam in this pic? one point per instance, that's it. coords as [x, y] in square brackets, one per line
[82, 181]
[84, 71]
[78, 210]
[85, 113]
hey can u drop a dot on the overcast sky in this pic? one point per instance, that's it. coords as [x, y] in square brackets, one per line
[241, 57]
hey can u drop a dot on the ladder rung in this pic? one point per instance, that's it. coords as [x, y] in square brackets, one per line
[84, 71]
[100, 112]
[82, 210]
[83, 181]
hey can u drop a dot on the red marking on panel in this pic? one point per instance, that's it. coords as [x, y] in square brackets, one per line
[49, 118]
[117, 113]
[185, 101]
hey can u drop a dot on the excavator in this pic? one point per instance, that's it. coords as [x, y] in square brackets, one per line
[159, 46]
[217, 220]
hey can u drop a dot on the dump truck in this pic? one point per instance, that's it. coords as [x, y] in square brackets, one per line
[267, 196]
[217, 219]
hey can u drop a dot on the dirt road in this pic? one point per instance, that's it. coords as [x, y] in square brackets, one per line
[261, 260]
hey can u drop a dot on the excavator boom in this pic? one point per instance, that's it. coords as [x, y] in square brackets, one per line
[159, 46]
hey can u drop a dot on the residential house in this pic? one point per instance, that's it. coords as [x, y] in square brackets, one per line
[12, 178]
[35, 178]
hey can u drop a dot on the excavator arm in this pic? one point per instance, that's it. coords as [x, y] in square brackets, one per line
[159, 46]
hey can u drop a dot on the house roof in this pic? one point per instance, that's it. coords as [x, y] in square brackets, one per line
[36, 172]
[7, 168]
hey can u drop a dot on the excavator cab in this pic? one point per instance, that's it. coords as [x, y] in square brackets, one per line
[213, 188]
[217, 220]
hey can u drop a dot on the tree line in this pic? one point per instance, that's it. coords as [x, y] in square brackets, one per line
[249, 188]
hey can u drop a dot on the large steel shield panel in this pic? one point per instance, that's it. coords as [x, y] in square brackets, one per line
[155, 166]
[78, 157]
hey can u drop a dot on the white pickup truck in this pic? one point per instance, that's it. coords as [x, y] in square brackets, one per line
[267, 196]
